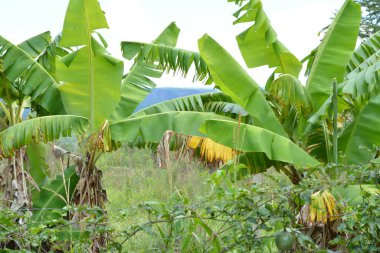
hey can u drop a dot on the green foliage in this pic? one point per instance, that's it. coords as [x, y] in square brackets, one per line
[151, 127]
[231, 216]
[82, 18]
[26, 77]
[359, 142]
[48, 57]
[232, 79]
[334, 52]
[216, 102]
[91, 83]
[54, 195]
[138, 84]
[36, 45]
[39, 169]
[364, 219]
[289, 92]
[357, 74]
[259, 44]
[47, 235]
[169, 58]
[49, 128]
[363, 69]
[360, 222]
[246, 217]
[197, 217]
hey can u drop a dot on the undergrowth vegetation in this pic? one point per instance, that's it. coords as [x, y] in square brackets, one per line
[205, 212]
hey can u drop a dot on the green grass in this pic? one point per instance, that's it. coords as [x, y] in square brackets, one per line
[131, 178]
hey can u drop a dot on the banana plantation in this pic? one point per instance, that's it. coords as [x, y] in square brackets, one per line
[291, 165]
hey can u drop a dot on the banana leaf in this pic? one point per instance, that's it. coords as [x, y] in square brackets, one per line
[91, 83]
[137, 84]
[359, 141]
[334, 53]
[249, 138]
[235, 82]
[151, 128]
[29, 78]
[259, 44]
[49, 128]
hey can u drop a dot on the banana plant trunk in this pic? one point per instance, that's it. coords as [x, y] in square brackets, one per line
[14, 186]
[89, 193]
[89, 190]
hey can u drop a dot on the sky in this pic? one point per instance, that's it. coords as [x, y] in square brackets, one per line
[297, 23]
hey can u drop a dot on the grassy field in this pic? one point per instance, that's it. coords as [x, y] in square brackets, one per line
[131, 178]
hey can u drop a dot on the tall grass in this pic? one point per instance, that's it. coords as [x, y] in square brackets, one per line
[131, 178]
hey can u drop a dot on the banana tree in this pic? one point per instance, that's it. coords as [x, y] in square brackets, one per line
[259, 46]
[293, 104]
[353, 105]
[24, 84]
[288, 108]
[97, 99]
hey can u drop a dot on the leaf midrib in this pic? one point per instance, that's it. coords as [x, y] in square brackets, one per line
[91, 69]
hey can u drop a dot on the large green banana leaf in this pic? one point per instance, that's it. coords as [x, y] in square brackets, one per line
[151, 128]
[365, 53]
[334, 53]
[91, 83]
[359, 141]
[49, 128]
[38, 167]
[82, 18]
[36, 45]
[365, 83]
[259, 44]
[170, 58]
[28, 77]
[235, 82]
[215, 102]
[363, 70]
[91, 77]
[137, 84]
[249, 138]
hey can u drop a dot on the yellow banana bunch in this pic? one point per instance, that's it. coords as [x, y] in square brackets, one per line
[210, 150]
[323, 207]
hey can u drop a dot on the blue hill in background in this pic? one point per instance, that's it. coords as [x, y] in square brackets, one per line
[165, 93]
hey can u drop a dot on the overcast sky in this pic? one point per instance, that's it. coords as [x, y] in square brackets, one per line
[296, 22]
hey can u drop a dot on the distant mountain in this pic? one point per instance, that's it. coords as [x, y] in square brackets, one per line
[162, 94]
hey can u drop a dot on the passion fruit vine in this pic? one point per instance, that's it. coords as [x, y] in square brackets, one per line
[284, 241]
